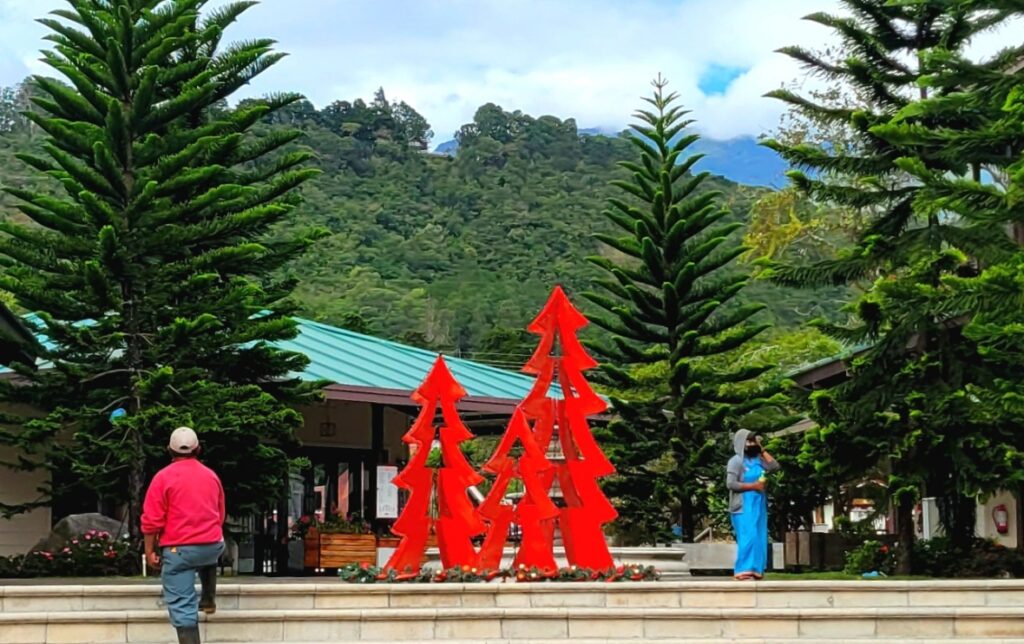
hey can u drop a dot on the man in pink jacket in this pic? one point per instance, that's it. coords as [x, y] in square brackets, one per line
[183, 515]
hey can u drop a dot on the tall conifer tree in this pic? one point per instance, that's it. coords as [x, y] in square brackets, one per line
[154, 271]
[670, 306]
[981, 108]
[904, 405]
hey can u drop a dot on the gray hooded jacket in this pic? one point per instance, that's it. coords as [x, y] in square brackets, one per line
[734, 470]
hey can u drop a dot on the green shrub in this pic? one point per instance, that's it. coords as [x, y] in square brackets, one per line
[870, 556]
[93, 554]
[984, 558]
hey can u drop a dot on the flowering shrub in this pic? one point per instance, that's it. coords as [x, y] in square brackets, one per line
[870, 556]
[302, 526]
[348, 524]
[93, 554]
[367, 574]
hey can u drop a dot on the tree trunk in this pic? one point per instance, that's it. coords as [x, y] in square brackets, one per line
[687, 516]
[958, 519]
[136, 487]
[904, 535]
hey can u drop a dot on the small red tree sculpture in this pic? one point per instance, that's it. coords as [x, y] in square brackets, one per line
[457, 522]
[534, 510]
[560, 354]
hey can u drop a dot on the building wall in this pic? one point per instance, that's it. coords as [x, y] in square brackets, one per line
[986, 526]
[928, 525]
[20, 533]
[352, 427]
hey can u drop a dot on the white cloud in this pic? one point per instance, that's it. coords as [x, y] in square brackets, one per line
[587, 59]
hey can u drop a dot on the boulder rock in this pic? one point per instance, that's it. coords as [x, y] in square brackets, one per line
[76, 525]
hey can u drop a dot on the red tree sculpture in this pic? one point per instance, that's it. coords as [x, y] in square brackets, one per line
[560, 354]
[457, 522]
[534, 510]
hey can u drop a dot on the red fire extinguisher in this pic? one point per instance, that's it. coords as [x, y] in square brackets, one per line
[1001, 517]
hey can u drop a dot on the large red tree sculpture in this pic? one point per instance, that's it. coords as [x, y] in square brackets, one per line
[533, 511]
[560, 355]
[457, 522]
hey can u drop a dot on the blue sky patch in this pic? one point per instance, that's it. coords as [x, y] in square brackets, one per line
[716, 79]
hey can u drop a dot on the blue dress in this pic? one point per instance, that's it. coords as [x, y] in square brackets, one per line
[751, 524]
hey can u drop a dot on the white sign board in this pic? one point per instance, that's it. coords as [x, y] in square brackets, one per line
[387, 492]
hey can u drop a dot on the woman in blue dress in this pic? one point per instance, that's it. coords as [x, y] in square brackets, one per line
[748, 503]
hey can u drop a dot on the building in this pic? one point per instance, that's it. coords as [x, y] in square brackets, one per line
[347, 437]
[831, 371]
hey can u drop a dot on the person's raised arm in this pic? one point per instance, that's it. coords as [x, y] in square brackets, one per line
[767, 460]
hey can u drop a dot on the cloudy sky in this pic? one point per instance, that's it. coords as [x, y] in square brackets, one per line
[588, 59]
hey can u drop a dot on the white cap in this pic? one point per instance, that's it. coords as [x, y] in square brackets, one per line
[183, 441]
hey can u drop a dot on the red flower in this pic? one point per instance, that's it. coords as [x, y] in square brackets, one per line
[305, 519]
[365, 565]
[884, 549]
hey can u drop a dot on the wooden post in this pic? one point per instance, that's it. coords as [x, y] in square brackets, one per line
[791, 550]
[281, 545]
[332, 502]
[376, 448]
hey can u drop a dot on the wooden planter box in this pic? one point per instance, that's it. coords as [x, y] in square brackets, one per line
[338, 550]
[311, 549]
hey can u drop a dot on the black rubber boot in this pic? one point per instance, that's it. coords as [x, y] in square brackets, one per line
[208, 598]
[188, 635]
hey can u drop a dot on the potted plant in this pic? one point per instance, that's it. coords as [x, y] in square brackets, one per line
[305, 530]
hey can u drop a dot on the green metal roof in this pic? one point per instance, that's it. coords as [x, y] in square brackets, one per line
[352, 359]
[845, 354]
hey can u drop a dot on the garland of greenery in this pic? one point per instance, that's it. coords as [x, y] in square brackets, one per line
[365, 573]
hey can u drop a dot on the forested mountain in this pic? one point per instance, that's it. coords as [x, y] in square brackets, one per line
[449, 252]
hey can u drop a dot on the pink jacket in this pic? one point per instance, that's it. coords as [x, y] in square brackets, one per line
[184, 505]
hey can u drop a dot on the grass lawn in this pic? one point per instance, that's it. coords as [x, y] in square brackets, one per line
[832, 576]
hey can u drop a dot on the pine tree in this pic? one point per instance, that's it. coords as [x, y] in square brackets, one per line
[914, 426]
[457, 521]
[155, 272]
[670, 306]
[981, 107]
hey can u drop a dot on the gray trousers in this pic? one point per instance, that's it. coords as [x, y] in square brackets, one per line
[178, 574]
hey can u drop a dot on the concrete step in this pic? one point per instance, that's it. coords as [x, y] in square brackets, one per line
[300, 611]
[899, 640]
[526, 625]
[333, 594]
[692, 641]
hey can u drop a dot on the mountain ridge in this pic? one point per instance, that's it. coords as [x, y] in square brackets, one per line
[741, 159]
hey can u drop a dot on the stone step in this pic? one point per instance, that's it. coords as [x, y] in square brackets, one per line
[333, 594]
[519, 625]
[702, 640]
